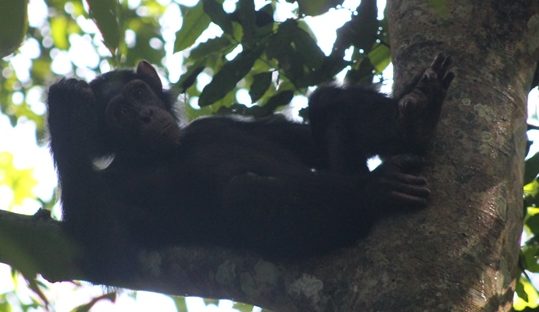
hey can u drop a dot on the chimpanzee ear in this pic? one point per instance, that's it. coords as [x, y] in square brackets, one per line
[147, 70]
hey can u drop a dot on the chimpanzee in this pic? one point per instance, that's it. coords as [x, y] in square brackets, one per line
[281, 189]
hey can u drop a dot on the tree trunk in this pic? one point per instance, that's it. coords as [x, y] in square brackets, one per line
[460, 254]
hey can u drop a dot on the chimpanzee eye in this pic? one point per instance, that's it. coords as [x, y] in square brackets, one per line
[139, 92]
[120, 112]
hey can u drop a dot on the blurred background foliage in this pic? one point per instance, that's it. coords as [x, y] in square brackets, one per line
[253, 58]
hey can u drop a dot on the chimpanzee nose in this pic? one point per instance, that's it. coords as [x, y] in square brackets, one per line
[146, 115]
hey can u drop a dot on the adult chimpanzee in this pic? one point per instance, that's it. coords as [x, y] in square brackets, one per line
[270, 186]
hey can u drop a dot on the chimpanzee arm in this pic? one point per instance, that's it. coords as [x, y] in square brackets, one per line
[73, 126]
[86, 204]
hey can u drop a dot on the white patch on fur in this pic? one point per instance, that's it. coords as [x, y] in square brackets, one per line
[103, 162]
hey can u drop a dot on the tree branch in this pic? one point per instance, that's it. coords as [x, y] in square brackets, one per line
[37, 245]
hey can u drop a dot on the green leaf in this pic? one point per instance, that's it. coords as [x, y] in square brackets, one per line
[296, 51]
[317, 7]
[520, 289]
[189, 78]
[20, 181]
[361, 31]
[533, 224]
[59, 32]
[529, 255]
[261, 83]
[527, 295]
[367, 24]
[361, 72]
[215, 11]
[380, 57]
[195, 21]
[532, 188]
[246, 15]
[210, 301]
[242, 307]
[279, 99]
[13, 24]
[181, 305]
[264, 18]
[229, 75]
[308, 49]
[105, 15]
[88, 306]
[215, 45]
[531, 194]
[531, 168]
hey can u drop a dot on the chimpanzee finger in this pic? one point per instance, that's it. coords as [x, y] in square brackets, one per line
[428, 75]
[441, 64]
[398, 198]
[410, 179]
[410, 189]
[436, 64]
[446, 81]
[446, 64]
[438, 59]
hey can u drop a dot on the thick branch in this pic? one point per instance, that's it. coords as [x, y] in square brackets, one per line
[34, 245]
[37, 245]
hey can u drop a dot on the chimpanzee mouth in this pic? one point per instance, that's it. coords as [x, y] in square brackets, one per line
[165, 129]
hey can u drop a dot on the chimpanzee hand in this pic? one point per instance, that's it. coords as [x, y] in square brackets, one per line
[396, 183]
[72, 118]
[419, 109]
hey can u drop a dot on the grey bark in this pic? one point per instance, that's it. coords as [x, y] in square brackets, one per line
[465, 246]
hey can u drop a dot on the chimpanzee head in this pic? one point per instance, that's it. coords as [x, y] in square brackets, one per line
[135, 113]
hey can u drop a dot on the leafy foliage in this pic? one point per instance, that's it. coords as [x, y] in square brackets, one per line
[195, 21]
[20, 181]
[526, 292]
[276, 60]
[13, 17]
[105, 15]
[317, 7]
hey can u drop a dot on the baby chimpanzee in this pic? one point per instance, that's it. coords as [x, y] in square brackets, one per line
[271, 186]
